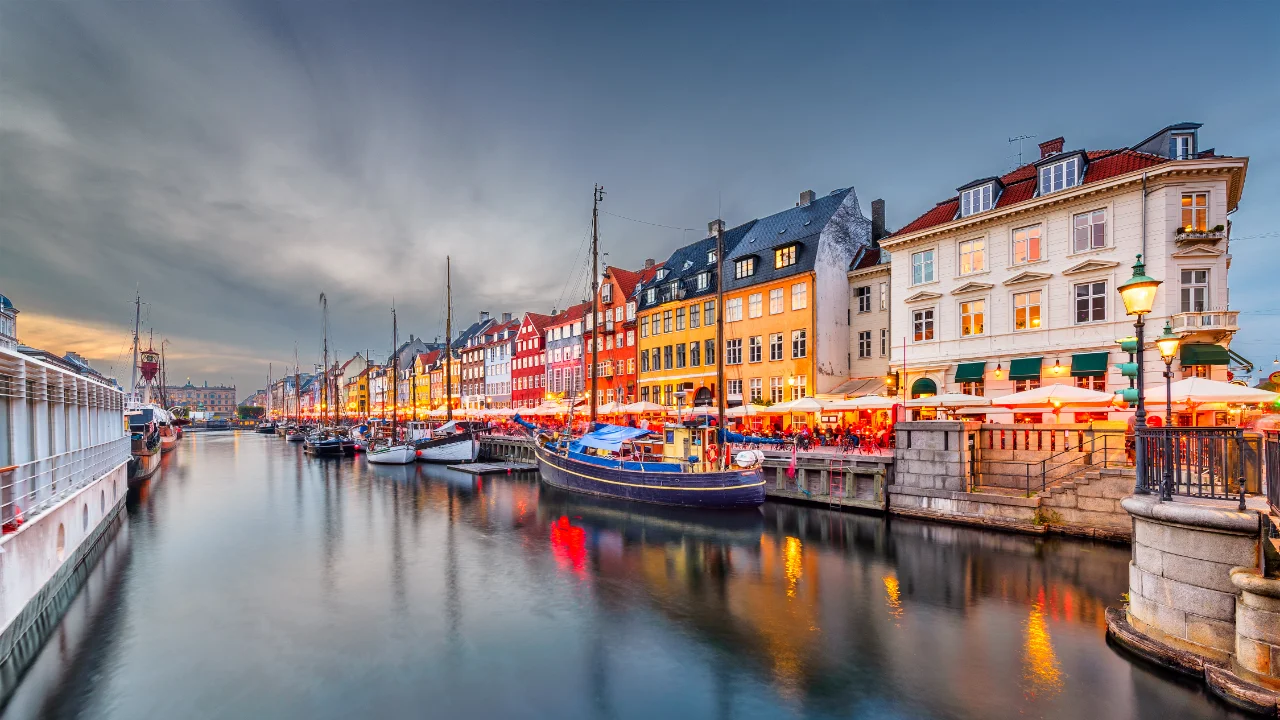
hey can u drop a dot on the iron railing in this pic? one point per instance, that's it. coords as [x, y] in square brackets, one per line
[1211, 462]
[1271, 456]
[29, 489]
[1075, 451]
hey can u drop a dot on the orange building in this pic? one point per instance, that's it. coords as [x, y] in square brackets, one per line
[617, 345]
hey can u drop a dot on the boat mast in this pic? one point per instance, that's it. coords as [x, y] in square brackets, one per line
[297, 389]
[164, 378]
[269, 390]
[448, 339]
[596, 196]
[324, 385]
[394, 362]
[137, 320]
[720, 340]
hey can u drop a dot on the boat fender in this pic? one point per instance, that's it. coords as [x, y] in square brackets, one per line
[749, 458]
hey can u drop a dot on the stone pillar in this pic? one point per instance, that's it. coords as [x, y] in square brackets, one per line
[1180, 585]
[1257, 622]
[933, 454]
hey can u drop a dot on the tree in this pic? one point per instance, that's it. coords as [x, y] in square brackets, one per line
[250, 412]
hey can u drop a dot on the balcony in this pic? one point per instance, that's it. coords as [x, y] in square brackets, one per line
[1212, 236]
[1225, 321]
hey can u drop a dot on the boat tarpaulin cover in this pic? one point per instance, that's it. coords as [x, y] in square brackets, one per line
[610, 437]
[733, 437]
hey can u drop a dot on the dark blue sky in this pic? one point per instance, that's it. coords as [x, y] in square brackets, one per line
[235, 159]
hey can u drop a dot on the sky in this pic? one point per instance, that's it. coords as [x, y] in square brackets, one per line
[232, 160]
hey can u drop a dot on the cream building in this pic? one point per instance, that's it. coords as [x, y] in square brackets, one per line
[1012, 282]
[870, 310]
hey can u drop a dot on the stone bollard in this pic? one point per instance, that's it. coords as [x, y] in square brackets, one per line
[1257, 622]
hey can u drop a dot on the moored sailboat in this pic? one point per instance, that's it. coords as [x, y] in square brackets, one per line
[451, 442]
[392, 450]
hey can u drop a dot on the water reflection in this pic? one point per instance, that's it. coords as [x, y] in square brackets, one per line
[265, 583]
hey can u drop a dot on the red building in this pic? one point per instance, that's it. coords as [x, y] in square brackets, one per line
[617, 343]
[529, 367]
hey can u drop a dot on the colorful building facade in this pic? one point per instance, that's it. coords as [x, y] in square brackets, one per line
[529, 366]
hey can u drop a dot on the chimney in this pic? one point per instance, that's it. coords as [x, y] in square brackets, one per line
[712, 228]
[648, 263]
[877, 222]
[506, 317]
[484, 315]
[806, 197]
[1051, 147]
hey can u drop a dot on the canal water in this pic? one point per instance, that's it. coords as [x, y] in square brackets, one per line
[252, 581]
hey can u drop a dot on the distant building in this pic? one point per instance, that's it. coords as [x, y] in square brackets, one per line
[528, 368]
[219, 399]
[869, 311]
[8, 323]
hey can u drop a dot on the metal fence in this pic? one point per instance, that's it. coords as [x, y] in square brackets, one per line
[1202, 462]
[29, 489]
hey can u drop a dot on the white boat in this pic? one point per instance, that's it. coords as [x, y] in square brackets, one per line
[391, 454]
[451, 444]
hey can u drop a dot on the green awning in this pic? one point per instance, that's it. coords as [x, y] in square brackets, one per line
[923, 387]
[1089, 364]
[968, 372]
[1025, 368]
[1203, 354]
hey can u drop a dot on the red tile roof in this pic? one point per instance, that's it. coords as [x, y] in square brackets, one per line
[574, 313]
[538, 320]
[626, 280]
[1020, 184]
[428, 358]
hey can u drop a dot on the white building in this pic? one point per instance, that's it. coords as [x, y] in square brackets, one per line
[1012, 282]
[8, 324]
[499, 348]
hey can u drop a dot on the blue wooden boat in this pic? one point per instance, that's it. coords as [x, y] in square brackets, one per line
[679, 474]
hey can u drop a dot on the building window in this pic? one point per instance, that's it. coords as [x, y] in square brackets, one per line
[863, 295]
[655, 319]
[922, 267]
[775, 346]
[679, 318]
[801, 388]
[733, 351]
[733, 310]
[656, 364]
[708, 312]
[694, 353]
[704, 281]
[1091, 302]
[1026, 310]
[1089, 231]
[711, 257]
[1028, 384]
[631, 338]
[1092, 382]
[972, 315]
[784, 257]
[775, 301]
[799, 344]
[973, 256]
[746, 267]
[1195, 290]
[1026, 245]
[757, 387]
[695, 316]
[650, 295]
[864, 344]
[709, 352]
[922, 325]
[1198, 371]
[606, 293]
[644, 362]
[644, 394]
[884, 296]
[755, 348]
[631, 310]
[667, 356]
[755, 305]
[734, 387]
[1060, 176]
[1195, 212]
[973, 387]
[775, 390]
[884, 341]
[799, 296]
[680, 355]
[668, 397]
[1181, 146]
[975, 200]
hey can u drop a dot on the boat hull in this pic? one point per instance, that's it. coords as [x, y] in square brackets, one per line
[142, 465]
[326, 448]
[168, 442]
[398, 455]
[460, 448]
[730, 489]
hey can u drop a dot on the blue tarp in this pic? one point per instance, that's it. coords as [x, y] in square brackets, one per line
[610, 437]
[524, 423]
[734, 437]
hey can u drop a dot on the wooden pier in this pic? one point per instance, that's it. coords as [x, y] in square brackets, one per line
[491, 468]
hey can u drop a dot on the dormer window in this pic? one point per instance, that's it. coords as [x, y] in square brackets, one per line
[650, 295]
[784, 256]
[1060, 175]
[711, 257]
[746, 267]
[661, 274]
[1182, 147]
[704, 280]
[976, 200]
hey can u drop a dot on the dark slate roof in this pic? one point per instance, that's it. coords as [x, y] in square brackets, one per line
[460, 341]
[686, 263]
[802, 224]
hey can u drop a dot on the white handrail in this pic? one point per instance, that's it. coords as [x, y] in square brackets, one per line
[33, 487]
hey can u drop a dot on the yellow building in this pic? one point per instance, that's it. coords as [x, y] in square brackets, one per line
[356, 392]
[676, 319]
[786, 308]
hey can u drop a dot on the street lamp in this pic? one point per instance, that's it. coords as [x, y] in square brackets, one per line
[1168, 345]
[1139, 294]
